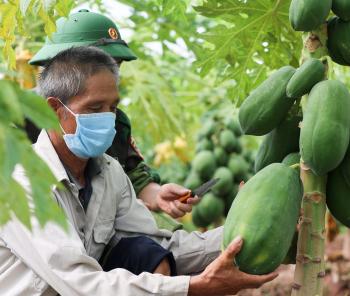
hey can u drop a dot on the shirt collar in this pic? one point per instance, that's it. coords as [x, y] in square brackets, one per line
[47, 152]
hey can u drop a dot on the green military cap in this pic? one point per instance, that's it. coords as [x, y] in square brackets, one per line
[84, 28]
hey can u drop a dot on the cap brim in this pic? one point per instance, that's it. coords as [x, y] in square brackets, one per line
[48, 51]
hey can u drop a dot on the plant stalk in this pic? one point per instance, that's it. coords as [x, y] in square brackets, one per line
[310, 268]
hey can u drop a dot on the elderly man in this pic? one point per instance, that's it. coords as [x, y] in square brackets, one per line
[85, 28]
[100, 204]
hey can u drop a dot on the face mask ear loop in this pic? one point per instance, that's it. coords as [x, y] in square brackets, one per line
[69, 111]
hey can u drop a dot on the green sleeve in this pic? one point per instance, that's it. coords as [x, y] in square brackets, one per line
[141, 176]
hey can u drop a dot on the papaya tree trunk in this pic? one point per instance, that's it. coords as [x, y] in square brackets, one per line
[309, 272]
[310, 267]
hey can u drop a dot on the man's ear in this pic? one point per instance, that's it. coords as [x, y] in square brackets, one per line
[57, 107]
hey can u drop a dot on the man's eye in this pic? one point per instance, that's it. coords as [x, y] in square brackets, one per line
[114, 108]
[95, 108]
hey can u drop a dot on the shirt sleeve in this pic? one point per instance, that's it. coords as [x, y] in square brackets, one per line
[59, 259]
[192, 251]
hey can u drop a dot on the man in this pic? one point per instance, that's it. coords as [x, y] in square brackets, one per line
[100, 204]
[88, 28]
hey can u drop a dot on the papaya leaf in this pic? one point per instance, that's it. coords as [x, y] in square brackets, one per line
[250, 39]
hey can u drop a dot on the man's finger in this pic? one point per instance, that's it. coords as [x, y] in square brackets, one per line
[175, 212]
[259, 280]
[193, 200]
[173, 191]
[183, 207]
[233, 248]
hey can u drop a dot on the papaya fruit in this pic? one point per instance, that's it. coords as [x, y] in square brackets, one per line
[193, 181]
[325, 132]
[227, 140]
[338, 191]
[208, 210]
[221, 156]
[204, 164]
[208, 128]
[292, 251]
[239, 167]
[204, 144]
[338, 42]
[308, 15]
[224, 185]
[310, 72]
[342, 9]
[267, 105]
[229, 198]
[292, 158]
[264, 213]
[234, 126]
[278, 143]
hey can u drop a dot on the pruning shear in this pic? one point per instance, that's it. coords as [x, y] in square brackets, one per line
[200, 191]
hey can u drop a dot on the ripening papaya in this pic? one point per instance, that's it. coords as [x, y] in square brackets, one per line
[342, 9]
[264, 213]
[325, 130]
[308, 15]
[239, 167]
[292, 158]
[338, 191]
[267, 105]
[193, 181]
[338, 42]
[278, 143]
[224, 185]
[221, 156]
[204, 164]
[310, 72]
[208, 210]
[228, 141]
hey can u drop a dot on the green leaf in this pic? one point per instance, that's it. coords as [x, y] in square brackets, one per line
[10, 108]
[251, 38]
[23, 5]
[37, 110]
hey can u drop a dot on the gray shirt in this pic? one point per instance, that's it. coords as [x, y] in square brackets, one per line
[64, 260]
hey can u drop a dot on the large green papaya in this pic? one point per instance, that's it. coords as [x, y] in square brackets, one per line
[338, 191]
[342, 9]
[204, 164]
[304, 78]
[224, 185]
[308, 15]
[325, 130]
[292, 158]
[267, 105]
[338, 42]
[264, 213]
[278, 143]
[208, 210]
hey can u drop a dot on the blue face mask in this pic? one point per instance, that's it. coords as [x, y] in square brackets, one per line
[94, 134]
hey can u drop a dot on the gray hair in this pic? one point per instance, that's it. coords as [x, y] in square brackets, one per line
[65, 75]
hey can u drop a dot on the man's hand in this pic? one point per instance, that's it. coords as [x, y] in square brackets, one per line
[167, 200]
[221, 277]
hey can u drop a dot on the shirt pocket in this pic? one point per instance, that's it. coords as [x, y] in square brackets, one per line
[103, 231]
